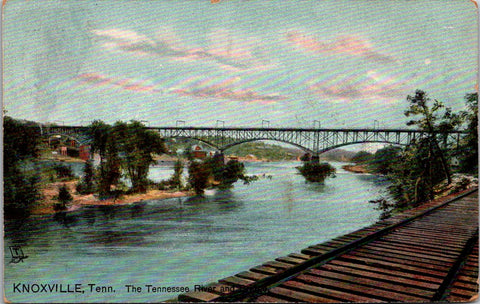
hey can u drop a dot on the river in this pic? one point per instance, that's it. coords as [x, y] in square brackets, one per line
[187, 241]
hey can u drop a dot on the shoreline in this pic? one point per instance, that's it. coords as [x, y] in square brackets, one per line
[356, 168]
[45, 205]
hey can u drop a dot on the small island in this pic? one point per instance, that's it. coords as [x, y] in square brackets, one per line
[316, 172]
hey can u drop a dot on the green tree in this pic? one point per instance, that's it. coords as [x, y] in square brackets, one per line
[20, 141]
[427, 117]
[136, 146]
[199, 175]
[21, 192]
[63, 172]
[420, 167]
[316, 172]
[414, 176]
[103, 143]
[20, 185]
[176, 179]
[384, 159]
[87, 186]
[362, 157]
[469, 149]
[231, 173]
[64, 197]
[110, 170]
[99, 132]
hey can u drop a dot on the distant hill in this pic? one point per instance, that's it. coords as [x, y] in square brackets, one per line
[264, 151]
[338, 155]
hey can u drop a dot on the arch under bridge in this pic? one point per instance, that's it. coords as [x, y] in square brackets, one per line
[314, 141]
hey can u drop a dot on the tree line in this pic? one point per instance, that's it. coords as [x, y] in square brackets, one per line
[125, 151]
[418, 171]
[20, 183]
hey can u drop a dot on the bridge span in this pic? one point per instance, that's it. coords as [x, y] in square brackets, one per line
[312, 140]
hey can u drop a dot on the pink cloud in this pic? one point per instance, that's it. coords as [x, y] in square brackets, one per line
[127, 36]
[225, 90]
[94, 79]
[370, 84]
[228, 51]
[350, 45]
[97, 79]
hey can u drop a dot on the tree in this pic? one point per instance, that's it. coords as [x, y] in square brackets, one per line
[86, 186]
[64, 197]
[421, 166]
[20, 185]
[414, 176]
[63, 172]
[427, 117]
[20, 141]
[469, 149]
[176, 179]
[99, 132]
[316, 172]
[125, 146]
[384, 159]
[231, 173]
[416, 171]
[21, 192]
[213, 171]
[110, 170]
[198, 176]
[362, 157]
[103, 143]
[136, 146]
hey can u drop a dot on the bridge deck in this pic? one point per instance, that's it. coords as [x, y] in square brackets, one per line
[314, 140]
[428, 253]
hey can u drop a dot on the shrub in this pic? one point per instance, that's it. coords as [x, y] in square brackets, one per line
[63, 171]
[64, 197]
[316, 172]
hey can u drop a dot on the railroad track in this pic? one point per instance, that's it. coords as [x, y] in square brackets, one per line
[427, 254]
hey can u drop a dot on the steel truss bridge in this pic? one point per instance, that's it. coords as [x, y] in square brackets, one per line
[314, 141]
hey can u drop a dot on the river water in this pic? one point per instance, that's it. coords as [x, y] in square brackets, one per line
[187, 241]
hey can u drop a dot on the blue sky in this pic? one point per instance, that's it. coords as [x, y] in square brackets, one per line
[344, 63]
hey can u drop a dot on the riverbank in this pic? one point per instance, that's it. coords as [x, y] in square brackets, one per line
[50, 191]
[60, 158]
[459, 182]
[356, 168]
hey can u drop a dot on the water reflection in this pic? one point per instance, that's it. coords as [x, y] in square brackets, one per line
[116, 238]
[222, 201]
[196, 200]
[90, 216]
[316, 187]
[135, 225]
[238, 227]
[226, 201]
[66, 219]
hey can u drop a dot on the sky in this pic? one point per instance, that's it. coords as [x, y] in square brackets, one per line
[329, 63]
